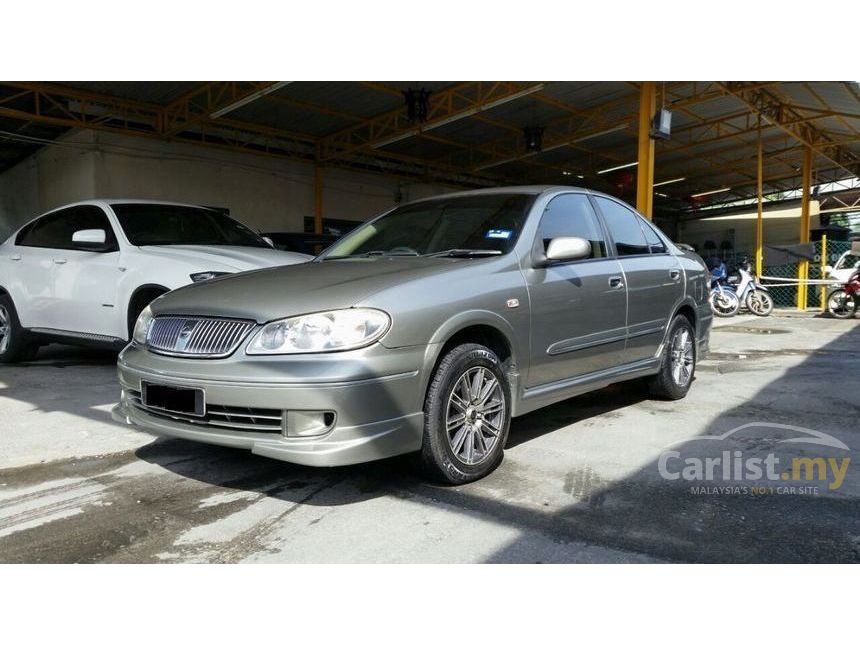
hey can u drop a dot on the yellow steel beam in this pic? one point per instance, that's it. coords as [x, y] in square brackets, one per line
[759, 224]
[645, 169]
[803, 265]
[785, 116]
[449, 105]
[822, 300]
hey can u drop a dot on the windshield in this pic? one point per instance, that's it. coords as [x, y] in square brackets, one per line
[849, 261]
[489, 222]
[164, 224]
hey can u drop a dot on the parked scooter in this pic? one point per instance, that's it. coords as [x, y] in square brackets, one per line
[844, 301]
[724, 299]
[750, 291]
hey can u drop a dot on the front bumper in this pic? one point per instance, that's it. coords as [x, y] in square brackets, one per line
[375, 396]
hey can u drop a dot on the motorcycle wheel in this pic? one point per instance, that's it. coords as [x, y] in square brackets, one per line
[759, 302]
[726, 304]
[841, 305]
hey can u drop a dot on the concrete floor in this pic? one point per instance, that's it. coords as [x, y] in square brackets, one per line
[579, 482]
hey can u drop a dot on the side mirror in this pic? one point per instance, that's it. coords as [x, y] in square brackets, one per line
[91, 239]
[269, 241]
[564, 249]
[828, 269]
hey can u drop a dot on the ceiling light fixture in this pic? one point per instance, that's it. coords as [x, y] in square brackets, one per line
[274, 87]
[621, 167]
[669, 181]
[660, 194]
[711, 192]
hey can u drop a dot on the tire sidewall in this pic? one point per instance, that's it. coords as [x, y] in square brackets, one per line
[465, 357]
[767, 297]
[17, 344]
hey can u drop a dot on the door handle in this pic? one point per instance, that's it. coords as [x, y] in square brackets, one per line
[15, 258]
[674, 274]
[60, 260]
[616, 282]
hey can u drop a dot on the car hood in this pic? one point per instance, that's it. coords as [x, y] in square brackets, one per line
[270, 294]
[225, 258]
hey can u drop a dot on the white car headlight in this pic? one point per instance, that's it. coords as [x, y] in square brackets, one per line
[141, 327]
[327, 331]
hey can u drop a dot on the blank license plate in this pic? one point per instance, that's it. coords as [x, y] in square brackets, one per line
[182, 400]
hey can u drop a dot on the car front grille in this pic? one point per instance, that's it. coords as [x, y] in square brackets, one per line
[196, 336]
[222, 416]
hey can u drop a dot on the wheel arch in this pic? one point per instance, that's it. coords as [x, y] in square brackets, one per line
[484, 328]
[144, 291]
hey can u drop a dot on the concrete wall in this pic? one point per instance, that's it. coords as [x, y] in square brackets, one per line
[781, 226]
[266, 194]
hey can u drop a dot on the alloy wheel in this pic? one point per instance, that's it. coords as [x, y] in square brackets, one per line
[475, 416]
[5, 329]
[681, 356]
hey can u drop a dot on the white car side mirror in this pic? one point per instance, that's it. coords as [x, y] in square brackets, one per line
[568, 248]
[90, 239]
[269, 241]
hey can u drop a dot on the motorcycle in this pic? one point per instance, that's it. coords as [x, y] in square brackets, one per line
[724, 300]
[751, 293]
[844, 301]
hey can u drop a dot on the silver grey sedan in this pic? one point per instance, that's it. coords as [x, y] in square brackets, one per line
[425, 330]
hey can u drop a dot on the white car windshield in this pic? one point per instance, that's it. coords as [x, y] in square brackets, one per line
[165, 224]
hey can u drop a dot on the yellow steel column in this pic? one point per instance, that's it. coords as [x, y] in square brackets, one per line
[759, 224]
[645, 168]
[823, 297]
[803, 266]
[318, 225]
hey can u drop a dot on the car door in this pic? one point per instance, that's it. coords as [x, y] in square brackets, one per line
[32, 260]
[85, 280]
[654, 279]
[578, 308]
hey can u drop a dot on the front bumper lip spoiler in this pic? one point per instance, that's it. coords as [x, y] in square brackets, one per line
[378, 440]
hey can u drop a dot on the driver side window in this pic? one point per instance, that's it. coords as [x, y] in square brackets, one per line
[572, 216]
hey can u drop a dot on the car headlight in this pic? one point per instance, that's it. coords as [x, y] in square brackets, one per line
[141, 327]
[203, 276]
[327, 331]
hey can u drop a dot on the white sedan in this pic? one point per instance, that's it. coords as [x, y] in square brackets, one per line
[82, 273]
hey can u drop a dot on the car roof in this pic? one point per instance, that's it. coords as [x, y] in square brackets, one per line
[539, 189]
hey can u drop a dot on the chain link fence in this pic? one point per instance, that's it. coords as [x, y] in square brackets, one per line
[785, 295]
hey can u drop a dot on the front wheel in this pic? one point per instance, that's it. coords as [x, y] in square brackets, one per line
[759, 302]
[14, 344]
[841, 305]
[725, 303]
[467, 415]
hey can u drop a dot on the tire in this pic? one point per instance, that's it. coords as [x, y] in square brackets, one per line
[759, 302]
[727, 306]
[841, 305]
[14, 344]
[457, 457]
[678, 362]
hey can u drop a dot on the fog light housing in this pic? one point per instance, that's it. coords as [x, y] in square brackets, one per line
[308, 423]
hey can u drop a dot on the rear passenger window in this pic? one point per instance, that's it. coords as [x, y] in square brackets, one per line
[654, 242]
[624, 228]
[572, 216]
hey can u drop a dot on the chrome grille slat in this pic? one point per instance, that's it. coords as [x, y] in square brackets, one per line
[197, 336]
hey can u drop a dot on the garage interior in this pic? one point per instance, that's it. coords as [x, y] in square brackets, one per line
[745, 164]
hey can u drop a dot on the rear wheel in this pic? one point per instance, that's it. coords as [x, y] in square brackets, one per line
[840, 304]
[678, 363]
[14, 344]
[759, 302]
[466, 416]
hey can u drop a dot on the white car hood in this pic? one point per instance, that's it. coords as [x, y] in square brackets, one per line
[220, 258]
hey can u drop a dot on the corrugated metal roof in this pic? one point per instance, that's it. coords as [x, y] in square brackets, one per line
[713, 142]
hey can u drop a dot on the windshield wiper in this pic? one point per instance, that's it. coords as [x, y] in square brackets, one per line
[463, 253]
[369, 254]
